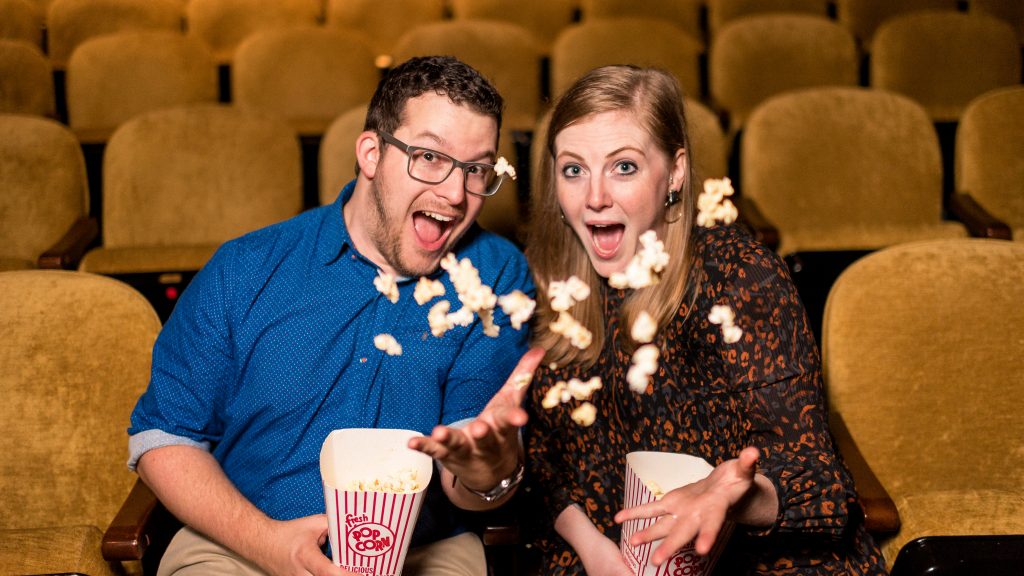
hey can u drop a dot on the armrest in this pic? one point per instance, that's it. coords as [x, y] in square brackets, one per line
[68, 251]
[880, 514]
[141, 530]
[763, 230]
[977, 220]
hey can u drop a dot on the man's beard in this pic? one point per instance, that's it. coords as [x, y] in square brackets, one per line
[386, 235]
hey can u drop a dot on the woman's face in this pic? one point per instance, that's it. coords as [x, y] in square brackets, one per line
[612, 181]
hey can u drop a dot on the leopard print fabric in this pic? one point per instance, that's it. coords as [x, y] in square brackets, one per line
[710, 399]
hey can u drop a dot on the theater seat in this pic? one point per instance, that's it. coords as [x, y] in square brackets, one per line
[76, 355]
[922, 361]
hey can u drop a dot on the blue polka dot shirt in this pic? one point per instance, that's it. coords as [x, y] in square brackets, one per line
[271, 348]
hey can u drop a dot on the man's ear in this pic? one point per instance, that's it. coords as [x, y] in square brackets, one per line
[368, 153]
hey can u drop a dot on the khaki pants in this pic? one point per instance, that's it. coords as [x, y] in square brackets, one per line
[191, 554]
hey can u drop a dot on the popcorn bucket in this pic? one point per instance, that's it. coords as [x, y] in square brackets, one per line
[374, 486]
[648, 476]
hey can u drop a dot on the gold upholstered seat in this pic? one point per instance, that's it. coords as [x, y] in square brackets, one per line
[943, 60]
[990, 156]
[721, 12]
[71, 22]
[760, 56]
[827, 182]
[112, 78]
[179, 182]
[383, 27]
[224, 24]
[506, 54]
[22, 20]
[863, 17]
[683, 13]
[306, 75]
[44, 197]
[76, 355]
[638, 41]
[544, 18]
[922, 361]
[26, 80]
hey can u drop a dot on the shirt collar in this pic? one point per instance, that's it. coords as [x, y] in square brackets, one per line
[334, 236]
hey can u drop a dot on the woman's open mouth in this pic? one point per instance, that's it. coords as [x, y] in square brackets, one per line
[606, 238]
[432, 229]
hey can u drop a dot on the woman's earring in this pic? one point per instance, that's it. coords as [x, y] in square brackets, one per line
[673, 198]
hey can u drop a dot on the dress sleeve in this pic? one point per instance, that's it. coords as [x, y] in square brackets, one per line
[193, 363]
[776, 372]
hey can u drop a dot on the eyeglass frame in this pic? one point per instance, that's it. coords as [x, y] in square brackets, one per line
[409, 149]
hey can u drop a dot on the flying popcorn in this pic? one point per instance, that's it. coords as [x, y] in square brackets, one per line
[438, 320]
[655, 489]
[569, 327]
[487, 321]
[565, 294]
[404, 481]
[584, 414]
[387, 286]
[518, 306]
[388, 344]
[645, 268]
[723, 315]
[557, 394]
[713, 204]
[503, 167]
[645, 364]
[427, 290]
[644, 328]
[581, 390]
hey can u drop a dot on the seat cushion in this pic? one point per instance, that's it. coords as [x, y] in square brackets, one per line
[53, 550]
[956, 513]
[146, 259]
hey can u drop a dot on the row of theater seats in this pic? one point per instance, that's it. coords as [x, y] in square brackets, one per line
[921, 361]
[179, 181]
[940, 58]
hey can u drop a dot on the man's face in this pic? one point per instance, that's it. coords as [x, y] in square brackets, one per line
[413, 224]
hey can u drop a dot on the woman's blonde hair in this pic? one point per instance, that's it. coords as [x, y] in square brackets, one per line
[554, 251]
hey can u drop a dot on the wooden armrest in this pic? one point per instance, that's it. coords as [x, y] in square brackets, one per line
[68, 251]
[127, 537]
[978, 221]
[763, 230]
[880, 514]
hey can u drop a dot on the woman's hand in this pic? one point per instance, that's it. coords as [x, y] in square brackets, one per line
[599, 555]
[731, 492]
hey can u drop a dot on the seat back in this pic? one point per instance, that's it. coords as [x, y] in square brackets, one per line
[760, 56]
[42, 176]
[638, 41]
[338, 153]
[26, 80]
[76, 355]
[922, 358]
[308, 76]
[863, 17]
[709, 149]
[544, 18]
[990, 154]
[383, 27]
[721, 12]
[115, 77]
[23, 20]
[1012, 11]
[506, 54]
[683, 13]
[223, 24]
[823, 158]
[71, 22]
[198, 175]
[944, 60]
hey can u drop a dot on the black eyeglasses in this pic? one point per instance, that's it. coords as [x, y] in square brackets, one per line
[433, 167]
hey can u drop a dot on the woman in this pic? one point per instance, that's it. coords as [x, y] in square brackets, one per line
[618, 166]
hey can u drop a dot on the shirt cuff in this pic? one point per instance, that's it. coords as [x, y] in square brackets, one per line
[139, 444]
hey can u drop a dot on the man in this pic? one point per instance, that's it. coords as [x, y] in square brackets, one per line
[272, 347]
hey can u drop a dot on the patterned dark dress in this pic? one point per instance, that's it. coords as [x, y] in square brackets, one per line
[710, 399]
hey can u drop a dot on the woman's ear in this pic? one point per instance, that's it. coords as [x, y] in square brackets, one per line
[368, 153]
[679, 168]
[675, 209]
